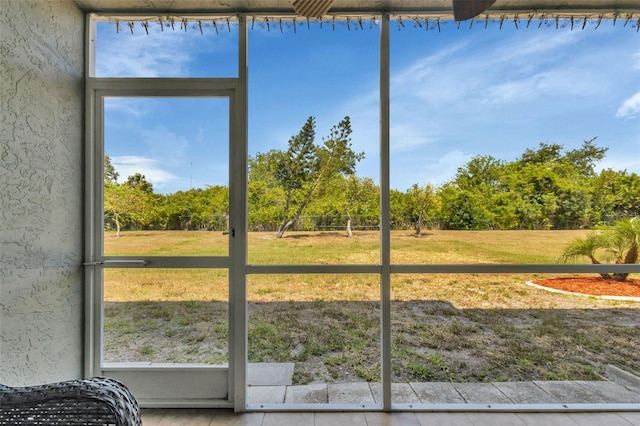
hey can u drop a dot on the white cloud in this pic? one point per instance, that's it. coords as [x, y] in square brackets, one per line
[161, 53]
[557, 83]
[511, 91]
[629, 162]
[532, 49]
[130, 107]
[128, 165]
[521, 68]
[408, 168]
[630, 107]
[162, 157]
[492, 94]
[424, 67]
[636, 57]
[446, 166]
[141, 55]
[166, 146]
[406, 136]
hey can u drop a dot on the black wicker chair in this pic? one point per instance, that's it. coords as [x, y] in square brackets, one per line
[94, 401]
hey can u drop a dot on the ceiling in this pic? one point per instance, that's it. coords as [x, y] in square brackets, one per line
[577, 8]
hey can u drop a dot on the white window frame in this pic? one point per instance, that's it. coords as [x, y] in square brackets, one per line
[238, 265]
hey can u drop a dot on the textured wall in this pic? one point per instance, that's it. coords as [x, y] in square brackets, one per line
[41, 175]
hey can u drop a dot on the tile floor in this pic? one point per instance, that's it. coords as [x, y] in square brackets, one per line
[204, 417]
[537, 392]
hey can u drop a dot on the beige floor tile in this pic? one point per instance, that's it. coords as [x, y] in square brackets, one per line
[288, 419]
[187, 417]
[495, 419]
[631, 417]
[228, 418]
[196, 417]
[599, 419]
[340, 419]
[152, 416]
[546, 419]
[443, 419]
[391, 419]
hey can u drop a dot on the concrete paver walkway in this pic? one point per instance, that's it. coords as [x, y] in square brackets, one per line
[537, 392]
[271, 383]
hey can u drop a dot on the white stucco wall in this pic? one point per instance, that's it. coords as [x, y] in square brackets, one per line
[41, 181]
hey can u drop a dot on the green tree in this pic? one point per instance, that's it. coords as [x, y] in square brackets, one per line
[126, 205]
[297, 171]
[178, 210]
[110, 174]
[555, 187]
[546, 153]
[615, 195]
[422, 204]
[398, 210]
[622, 240]
[464, 209]
[586, 247]
[482, 172]
[626, 238]
[357, 196]
[140, 182]
[585, 158]
[301, 170]
[264, 192]
[198, 209]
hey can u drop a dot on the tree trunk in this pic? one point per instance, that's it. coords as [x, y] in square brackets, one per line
[419, 227]
[115, 217]
[632, 254]
[630, 258]
[349, 233]
[604, 275]
[284, 227]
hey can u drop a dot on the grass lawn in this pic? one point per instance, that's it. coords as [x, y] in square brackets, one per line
[451, 327]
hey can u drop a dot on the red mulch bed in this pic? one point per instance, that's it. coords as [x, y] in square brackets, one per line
[594, 286]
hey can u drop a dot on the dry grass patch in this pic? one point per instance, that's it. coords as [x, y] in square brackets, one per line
[459, 327]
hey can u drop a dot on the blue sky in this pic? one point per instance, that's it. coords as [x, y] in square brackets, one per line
[455, 94]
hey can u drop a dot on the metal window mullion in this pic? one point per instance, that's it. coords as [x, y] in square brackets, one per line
[207, 262]
[97, 161]
[238, 224]
[510, 268]
[385, 216]
[166, 86]
[90, 272]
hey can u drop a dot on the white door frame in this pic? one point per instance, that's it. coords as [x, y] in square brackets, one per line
[157, 385]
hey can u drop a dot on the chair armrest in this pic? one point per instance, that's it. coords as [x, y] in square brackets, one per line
[94, 401]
